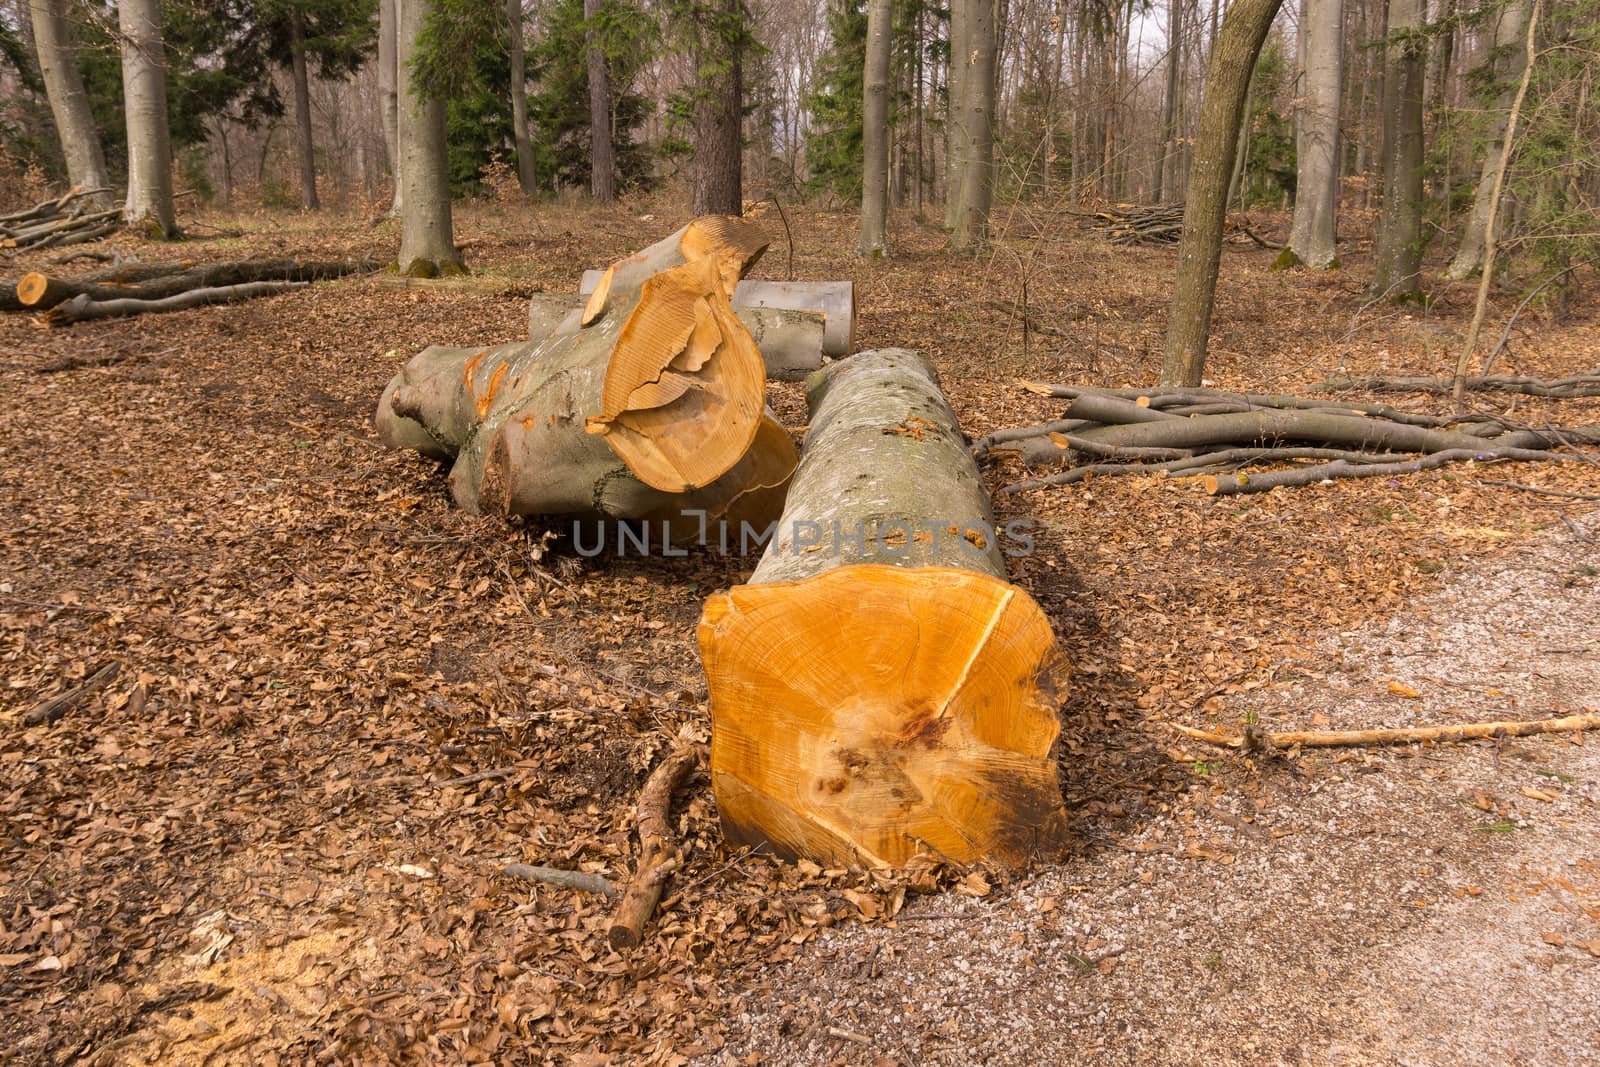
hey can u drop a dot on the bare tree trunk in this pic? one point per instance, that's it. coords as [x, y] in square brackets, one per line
[718, 161]
[1469, 254]
[1316, 199]
[1399, 256]
[602, 155]
[1233, 60]
[1170, 106]
[519, 96]
[144, 91]
[302, 114]
[1491, 238]
[427, 242]
[875, 132]
[389, 93]
[69, 103]
[977, 184]
[957, 140]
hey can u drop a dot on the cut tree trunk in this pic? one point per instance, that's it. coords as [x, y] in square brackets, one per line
[834, 301]
[878, 689]
[83, 308]
[41, 292]
[654, 410]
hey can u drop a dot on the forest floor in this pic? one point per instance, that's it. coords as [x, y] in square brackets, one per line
[269, 841]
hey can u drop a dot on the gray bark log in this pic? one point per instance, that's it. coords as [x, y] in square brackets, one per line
[884, 455]
[834, 301]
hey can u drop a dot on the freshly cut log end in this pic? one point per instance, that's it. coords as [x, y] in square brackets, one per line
[32, 287]
[730, 241]
[752, 491]
[685, 386]
[873, 712]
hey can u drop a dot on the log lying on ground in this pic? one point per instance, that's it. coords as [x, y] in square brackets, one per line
[67, 220]
[795, 324]
[42, 292]
[834, 301]
[1586, 383]
[654, 411]
[1132, 224]
[84, 308]
[1189, 433]
[878, 688]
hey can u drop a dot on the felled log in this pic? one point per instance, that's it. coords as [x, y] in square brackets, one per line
[58, 705]
[83, 307]
[1585, 384]
[653, 411]
[878, 688]
[42, 292]
[795, 324]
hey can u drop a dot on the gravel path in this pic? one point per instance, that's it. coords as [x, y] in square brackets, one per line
[1436, 905]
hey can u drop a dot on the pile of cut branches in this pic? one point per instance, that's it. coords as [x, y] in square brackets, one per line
[136, 289]
[1203, 433]
[67, 220]
[1132, 224]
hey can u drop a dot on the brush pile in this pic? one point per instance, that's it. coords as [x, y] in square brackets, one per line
[75, 218]
[1214, 436]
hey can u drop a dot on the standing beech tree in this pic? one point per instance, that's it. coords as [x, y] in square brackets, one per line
[427, 238]
[1316, 197]
[389, 74]
[976, 18]
[875, 131]
[69, 103]
[144, 93]
[521, 140]
[1233, 58]
[1399, 255]
[1506, 63]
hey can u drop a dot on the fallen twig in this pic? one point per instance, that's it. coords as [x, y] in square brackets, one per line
[59, 705]
[657, 857]
[579, 880]
[1252, 739]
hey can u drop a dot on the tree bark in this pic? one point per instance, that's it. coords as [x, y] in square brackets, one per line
[519, 96]
[389, 94]
[144, 91]
[841, 729]
[977, 184]
[1169, 106]
[1398, 274]
[302, 114]
[602, 149]
[69, 102]
[638, 415]
[1233, 58]
[956, 138]
[718, 108]
[1491, 236]
[875, 132]
[1508, 31]
[1316, 199]
[427, 241]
